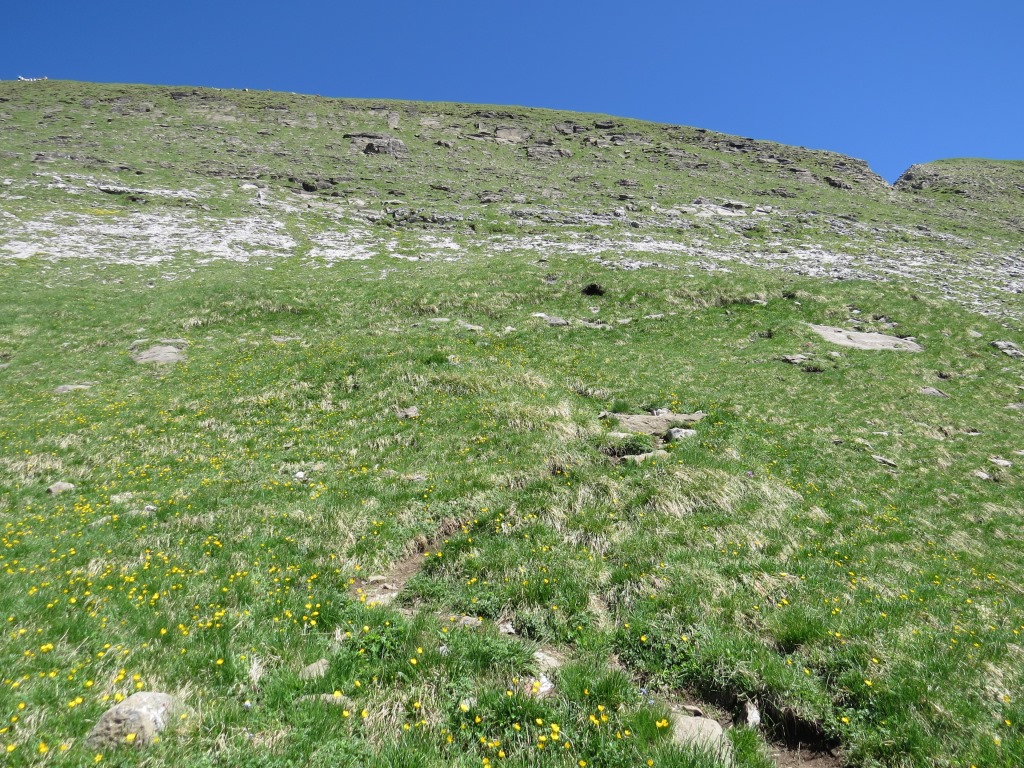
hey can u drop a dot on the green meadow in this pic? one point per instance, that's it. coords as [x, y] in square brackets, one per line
[833, 547]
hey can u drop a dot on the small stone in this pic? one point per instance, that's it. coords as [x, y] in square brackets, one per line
[932, 392]
[1001, 462]
[59, 488]
[539, 688]
[701, 732]
[884, 461]
[506, 628]
[678, 433]
[136, 721]
[753, 714]
[469, 326]
[981, 474]
[556, 321]
[415, 478]
[795, 359]
[471, 622]
[380, 592]
[316, 670]
[412, 412]
[547, 661]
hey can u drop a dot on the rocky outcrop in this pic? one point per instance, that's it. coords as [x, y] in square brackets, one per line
[377, 144]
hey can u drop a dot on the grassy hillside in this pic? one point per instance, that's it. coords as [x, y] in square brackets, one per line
[834, 546]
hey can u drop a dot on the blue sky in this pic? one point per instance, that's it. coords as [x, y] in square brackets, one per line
[894, 83]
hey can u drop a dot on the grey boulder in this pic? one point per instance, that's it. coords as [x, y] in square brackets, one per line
[136, 721]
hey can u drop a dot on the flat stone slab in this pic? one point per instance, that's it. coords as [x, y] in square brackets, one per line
[861, 340]
[65, 388]
[136, 721]
[58, 488]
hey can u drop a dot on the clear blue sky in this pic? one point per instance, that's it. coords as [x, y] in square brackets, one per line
[895, 82]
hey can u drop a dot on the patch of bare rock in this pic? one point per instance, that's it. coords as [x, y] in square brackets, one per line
[165, 352]
[657, 423]
[863, 340]
[1008, 348]
[377, 144]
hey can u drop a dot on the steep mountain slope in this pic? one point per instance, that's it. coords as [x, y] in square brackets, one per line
[399, 434]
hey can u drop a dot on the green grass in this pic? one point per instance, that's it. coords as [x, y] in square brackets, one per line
[768, 558]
